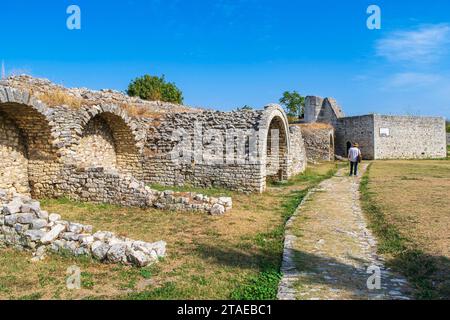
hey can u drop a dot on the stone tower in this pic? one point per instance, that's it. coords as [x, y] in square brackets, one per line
[313, 105]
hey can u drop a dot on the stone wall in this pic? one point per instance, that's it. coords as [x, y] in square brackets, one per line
[313, 105]
[359, 130]
[448, 139]
[298, 151]
[95, 152]
[319, 141]
[232, 149]
[13, 157]
[97, 147]
[407, 137]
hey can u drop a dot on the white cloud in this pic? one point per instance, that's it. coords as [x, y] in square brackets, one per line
[413, 80]
[425, 44]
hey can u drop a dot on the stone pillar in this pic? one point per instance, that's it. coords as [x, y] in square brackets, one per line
[313, 105]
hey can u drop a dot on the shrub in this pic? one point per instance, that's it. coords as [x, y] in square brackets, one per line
[155, 88]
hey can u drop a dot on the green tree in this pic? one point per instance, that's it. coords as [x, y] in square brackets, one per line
[155, 88]
[294, 103]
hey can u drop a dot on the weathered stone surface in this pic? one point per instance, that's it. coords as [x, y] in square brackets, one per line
[53, 234]
[38, 223]
[217, 210]
[138, 258]
[99, 250]
[35, 235]
[117, 253]
[12, 207]
[25, 218]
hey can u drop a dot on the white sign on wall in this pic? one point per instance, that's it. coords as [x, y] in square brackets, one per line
[385, 132]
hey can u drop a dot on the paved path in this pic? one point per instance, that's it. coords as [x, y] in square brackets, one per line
[328, 248]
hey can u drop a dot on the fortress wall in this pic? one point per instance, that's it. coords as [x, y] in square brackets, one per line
[319, 141]
[359, 130]
[408, 137]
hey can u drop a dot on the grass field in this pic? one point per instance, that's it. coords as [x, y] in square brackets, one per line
[408, 205]
[235, 256]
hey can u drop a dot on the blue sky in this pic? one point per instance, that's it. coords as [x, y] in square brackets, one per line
[227, 53]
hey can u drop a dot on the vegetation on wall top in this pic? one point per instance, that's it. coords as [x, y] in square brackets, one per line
[154, 88]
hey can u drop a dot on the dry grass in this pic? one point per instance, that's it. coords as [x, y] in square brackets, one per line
[413, 200]
[59, 97]
[207, 257]
[139, 111]
[315, 126]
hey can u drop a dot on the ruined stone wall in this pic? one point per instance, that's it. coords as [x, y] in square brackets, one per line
[359, 130]
[448, 139]
[319, 141]
[232, 149]
[97, 147]
[39, 138]
[98, 153]
[209, 168]
[313, 106]
[407, 137]
[13, 157]
[330, 112]
[298, 151]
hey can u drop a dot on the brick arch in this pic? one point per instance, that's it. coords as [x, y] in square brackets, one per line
[113, 137]
[28, 145]
[276, 159]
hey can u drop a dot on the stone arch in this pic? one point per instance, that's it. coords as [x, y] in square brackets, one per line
[28, 149]
[276, 149]
[108, 140]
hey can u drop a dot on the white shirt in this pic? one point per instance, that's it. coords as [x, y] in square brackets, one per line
[353, 154]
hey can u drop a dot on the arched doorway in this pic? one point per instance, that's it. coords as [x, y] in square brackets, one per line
[108, 142]
[277, 151]
[97, 146]
[349, 146]
[13, 157]
[27, 154]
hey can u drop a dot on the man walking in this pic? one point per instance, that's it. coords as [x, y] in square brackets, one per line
[354, 156]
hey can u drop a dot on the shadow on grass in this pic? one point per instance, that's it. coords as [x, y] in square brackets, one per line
[429, 275]
[315, 271]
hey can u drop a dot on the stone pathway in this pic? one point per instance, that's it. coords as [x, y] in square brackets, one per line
[328, 248]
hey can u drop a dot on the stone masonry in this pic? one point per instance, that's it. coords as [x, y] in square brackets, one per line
[94, 146]
[380, 136]
[25, 226]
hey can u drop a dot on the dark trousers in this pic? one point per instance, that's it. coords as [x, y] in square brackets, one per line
[353, 168]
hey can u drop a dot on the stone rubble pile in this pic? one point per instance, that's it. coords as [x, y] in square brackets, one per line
[190, 201]
[25, 226]
[110, 186]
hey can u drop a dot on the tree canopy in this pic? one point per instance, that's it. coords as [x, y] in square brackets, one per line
[155, 88]
[294, 103]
